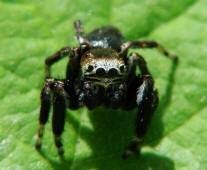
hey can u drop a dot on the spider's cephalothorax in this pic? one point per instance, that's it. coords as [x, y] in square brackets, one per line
[99, 72]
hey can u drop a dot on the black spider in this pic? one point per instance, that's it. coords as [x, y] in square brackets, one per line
[99, 72]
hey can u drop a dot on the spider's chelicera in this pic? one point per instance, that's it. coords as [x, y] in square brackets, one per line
[100, 73]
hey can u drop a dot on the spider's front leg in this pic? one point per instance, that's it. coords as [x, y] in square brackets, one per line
[57, 87]
[79, 32]
[146, 99]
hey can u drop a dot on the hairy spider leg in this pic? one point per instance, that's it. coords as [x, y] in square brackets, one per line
[79, 32]
[66, 51]
[146, 44]
[59, 108]
[44, 111]
[147, 101]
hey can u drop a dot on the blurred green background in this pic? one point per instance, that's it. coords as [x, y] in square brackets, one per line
[32, 30]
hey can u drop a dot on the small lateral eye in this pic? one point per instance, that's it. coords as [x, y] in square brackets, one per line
[122, 68]
[90, 68]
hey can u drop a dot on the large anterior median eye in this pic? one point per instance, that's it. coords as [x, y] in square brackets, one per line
[90, 68]
[100, 72]
[113, 72]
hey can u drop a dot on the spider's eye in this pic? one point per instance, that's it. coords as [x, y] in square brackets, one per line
[113, 72]
[90, 68]
[100, 72]
[122, 68]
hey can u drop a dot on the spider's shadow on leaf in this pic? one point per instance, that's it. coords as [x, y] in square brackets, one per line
[112, 132]
[61, 163]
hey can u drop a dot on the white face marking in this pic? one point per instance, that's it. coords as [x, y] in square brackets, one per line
[106, 64]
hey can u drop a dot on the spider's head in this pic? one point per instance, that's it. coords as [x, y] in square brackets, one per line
[103, 66]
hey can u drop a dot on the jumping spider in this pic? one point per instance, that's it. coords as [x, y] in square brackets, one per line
[100, 73]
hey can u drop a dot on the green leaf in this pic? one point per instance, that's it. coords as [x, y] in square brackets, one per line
[177, 138]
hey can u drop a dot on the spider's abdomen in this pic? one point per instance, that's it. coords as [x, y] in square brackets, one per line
[106, 37]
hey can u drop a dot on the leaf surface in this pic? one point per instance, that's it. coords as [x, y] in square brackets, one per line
[177, 138]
